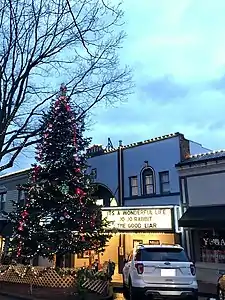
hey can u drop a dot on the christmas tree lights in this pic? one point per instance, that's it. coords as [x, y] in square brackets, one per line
[60, 215]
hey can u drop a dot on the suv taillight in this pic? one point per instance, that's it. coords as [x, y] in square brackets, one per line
[193, 270]
[140, 268]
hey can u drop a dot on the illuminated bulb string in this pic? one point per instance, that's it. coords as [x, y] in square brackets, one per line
[60, 215]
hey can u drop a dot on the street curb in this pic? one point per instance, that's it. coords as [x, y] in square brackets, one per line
[17, 297]
[109, 297]
[206, 295]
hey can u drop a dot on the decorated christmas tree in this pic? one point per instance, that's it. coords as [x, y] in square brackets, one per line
[60, 215]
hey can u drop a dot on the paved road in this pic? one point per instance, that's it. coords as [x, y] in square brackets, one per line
[119, 296]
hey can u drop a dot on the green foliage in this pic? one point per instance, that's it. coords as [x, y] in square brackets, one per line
[83, 274]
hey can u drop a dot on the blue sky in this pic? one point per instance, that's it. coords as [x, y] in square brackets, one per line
[177, 51]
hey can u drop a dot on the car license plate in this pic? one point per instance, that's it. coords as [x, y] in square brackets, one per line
[168, 272]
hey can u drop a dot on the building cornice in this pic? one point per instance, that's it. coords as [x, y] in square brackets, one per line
[137, 144]
[15, 173]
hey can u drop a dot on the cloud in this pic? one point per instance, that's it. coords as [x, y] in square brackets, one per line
[178, 57]
[219, 84]
[164, 89]
[177, 51]
[165, 105]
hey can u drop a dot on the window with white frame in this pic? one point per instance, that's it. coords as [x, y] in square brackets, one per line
[2, 201]
[21, 197]
[148, 182]
[133, 186]
[164, 182]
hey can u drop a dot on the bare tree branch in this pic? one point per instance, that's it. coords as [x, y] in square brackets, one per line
[45, 43]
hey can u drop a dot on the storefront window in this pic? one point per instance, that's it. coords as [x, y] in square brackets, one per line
[212, 246]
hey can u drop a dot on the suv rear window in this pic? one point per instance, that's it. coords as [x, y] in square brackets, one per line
[161, 254]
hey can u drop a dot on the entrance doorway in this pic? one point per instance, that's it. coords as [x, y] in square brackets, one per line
[121, 245]
[104, 196]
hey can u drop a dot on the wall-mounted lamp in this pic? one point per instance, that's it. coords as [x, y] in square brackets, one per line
[146, 163]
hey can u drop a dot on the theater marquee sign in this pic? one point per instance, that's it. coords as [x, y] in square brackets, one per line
[139, 218]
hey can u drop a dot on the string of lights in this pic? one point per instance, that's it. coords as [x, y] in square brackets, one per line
[35, 272]
[60, 215]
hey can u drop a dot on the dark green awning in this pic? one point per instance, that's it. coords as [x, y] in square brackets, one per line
[203, 217]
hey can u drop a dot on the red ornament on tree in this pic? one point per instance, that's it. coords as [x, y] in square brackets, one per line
[21, 224]
[68, 107]
[80, 192]
[24, 214]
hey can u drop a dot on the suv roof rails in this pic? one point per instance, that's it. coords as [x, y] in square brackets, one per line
[168, 244]
[162, 244]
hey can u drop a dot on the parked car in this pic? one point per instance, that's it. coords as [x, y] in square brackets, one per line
[160, 271]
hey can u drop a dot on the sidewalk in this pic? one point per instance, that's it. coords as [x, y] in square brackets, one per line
[207, 289]
[21, 291]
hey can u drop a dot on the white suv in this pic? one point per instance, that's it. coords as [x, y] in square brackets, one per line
[159, 271]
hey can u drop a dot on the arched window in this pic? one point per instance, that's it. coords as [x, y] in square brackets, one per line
[148, 183]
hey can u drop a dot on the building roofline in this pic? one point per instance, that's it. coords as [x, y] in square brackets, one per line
[20, 172]
[200, 144]
[141, 143]
[202, 158]
[149, 141]
[132, 145]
